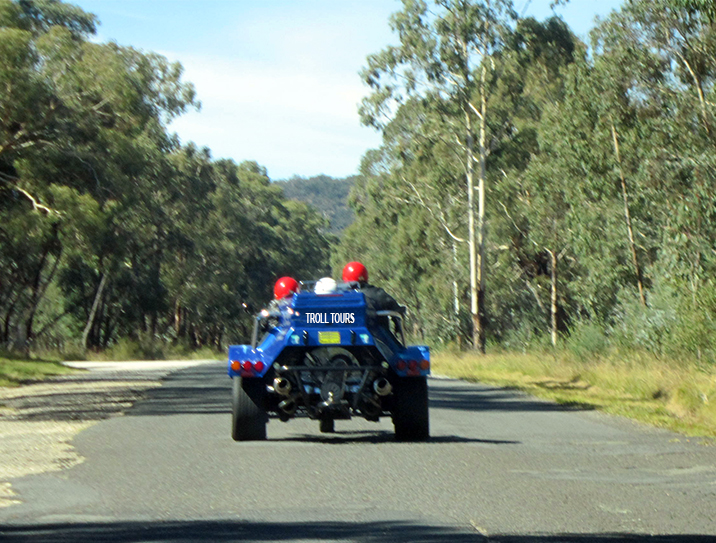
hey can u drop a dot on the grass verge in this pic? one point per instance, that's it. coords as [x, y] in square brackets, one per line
[15, 372]
[680, 396]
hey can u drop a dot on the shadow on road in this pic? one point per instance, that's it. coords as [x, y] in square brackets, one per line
[466, 398]
[368, 532]
[350, 438]
[200, 390]
[207, 390]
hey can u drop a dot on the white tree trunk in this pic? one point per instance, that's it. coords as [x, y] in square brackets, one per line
[93, 311]
[472, 241]
[627, 219]
[553, 296]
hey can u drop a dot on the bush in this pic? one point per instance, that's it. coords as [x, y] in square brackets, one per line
[644, 328]
[523, 339]
[146, 348]
[677, 322]
[587, 340]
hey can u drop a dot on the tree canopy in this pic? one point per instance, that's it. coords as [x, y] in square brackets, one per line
[596, 162]
[109, 228]
[530, 188]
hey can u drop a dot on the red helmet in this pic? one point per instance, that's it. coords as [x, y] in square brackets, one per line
[285, 287]
[355, 272]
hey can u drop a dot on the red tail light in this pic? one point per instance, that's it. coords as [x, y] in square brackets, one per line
[258, 366]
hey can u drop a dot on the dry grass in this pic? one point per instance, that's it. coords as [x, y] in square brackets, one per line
[671, 394]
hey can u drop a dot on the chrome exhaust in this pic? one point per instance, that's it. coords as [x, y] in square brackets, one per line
[282, 386]
[288, 406]
[382, 386]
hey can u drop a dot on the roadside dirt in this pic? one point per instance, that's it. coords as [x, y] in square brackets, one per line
[39, 420]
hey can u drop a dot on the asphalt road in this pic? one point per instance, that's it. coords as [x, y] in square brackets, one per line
[501, 466]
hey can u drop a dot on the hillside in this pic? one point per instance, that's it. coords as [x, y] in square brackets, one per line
[327, 194]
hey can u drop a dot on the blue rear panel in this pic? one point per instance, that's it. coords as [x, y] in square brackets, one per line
[312, 320]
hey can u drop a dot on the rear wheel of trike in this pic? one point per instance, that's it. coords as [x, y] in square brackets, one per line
[410, 409]
[248, 413]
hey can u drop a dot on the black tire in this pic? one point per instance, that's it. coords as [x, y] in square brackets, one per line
[248, 413]
[410, 409]
[328, 426]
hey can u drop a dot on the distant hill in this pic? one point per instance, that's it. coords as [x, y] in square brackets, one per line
[327, 194]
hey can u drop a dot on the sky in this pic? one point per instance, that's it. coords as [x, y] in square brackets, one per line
[278, 79]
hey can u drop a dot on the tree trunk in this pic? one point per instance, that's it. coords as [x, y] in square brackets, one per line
[93, 311]
[480, 313]
[20, 344]
[6, 323]
[37, 296]
[29, 314]
[627, 218]
[177, 319]
[553, 296]
[108, 331]
[472, 241]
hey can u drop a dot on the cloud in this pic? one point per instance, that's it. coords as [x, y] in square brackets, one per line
[289, 119]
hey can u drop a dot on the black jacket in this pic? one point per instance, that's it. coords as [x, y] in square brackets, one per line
[377, 299]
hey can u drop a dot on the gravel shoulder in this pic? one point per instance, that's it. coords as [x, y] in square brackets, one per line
[39, 420]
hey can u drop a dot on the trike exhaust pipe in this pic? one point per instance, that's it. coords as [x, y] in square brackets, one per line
[282, 386]
[288, 406]
[382, 386]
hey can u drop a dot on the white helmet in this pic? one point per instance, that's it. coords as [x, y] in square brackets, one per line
[326, 285]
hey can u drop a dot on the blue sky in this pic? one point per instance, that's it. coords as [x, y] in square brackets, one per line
[278, 79]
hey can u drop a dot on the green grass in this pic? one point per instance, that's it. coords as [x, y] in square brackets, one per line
[677, 395]
[14, 372]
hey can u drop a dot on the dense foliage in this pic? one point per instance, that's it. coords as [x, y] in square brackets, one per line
[599, 175]
[530, 188]
[109, 228]
[327, 194]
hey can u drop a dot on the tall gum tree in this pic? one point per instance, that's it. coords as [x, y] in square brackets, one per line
[663, 53]
[447, 54]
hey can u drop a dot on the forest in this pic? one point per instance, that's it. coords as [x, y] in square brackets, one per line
[531, 189]
[111, 231]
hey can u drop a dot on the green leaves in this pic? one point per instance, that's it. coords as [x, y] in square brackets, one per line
[107, 227]
[599, 164]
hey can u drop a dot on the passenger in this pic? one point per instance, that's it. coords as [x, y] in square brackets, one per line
[376, 299]
[325, 285]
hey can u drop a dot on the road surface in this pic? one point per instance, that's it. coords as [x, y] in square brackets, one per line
[501, 466]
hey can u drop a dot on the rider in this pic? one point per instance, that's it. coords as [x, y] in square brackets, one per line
[283, 290]
[376, 299]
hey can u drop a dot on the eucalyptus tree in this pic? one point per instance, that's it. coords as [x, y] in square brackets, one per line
[83, 129]
[447, 57]
[669, 48]
[529, 204]
[417, 179]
